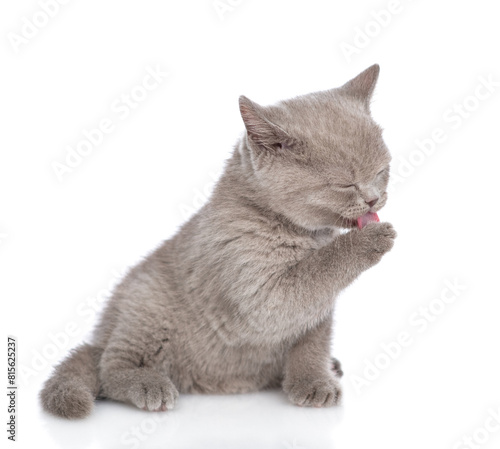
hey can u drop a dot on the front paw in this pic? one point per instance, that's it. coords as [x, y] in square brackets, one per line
[153, 392]
[374, 240]
[324, 391]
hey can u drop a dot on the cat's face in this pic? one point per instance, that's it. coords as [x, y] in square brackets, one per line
[320, 159]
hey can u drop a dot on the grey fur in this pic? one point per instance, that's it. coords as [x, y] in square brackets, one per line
[241, 298]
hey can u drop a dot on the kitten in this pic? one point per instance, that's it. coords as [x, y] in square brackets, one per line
[241, 298]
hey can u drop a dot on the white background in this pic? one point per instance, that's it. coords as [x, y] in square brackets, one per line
[64, 243]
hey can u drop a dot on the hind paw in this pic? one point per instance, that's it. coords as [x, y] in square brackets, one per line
[336, 367]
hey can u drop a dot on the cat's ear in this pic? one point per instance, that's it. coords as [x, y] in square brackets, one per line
[362, 86]
[261, 131]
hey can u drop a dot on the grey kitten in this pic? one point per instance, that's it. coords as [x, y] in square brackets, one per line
[241, 298]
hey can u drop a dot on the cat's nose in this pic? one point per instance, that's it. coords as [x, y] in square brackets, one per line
[372, 202]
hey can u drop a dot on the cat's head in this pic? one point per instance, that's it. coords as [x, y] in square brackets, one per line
[319, 159]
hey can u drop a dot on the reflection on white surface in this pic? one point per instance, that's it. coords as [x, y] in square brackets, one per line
[259, 420]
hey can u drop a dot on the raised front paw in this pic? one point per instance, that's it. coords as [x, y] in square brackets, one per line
[374, 240]
[324, 391]
[153, 392]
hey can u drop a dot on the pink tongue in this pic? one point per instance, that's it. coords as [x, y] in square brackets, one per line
[367, 218]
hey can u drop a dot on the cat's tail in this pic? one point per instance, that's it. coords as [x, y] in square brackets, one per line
[71, 390]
